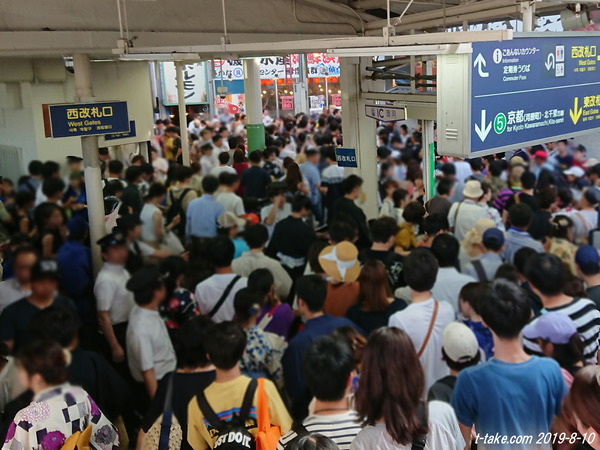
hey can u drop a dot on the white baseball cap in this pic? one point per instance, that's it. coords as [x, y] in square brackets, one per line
[459, 342]
[575, 171]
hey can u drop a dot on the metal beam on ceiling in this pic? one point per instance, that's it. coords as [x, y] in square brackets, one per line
[456, 14]
[311, 45]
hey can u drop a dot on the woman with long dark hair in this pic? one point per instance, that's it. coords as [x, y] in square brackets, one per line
[390, 400]
[294, 180]
[375, 300]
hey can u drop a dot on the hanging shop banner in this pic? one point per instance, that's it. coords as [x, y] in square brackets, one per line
[271, 67]
[321, 65]
[194, 83]
[316, 101]
[287, 102]
[336, 100]
[228, 69]
[235, 103]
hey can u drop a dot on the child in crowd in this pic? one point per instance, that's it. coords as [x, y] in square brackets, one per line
[470, 298]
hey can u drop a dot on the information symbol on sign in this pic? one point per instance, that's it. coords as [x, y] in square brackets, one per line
[560, 69]
[500, 123]
[497, 56]
[560, 54]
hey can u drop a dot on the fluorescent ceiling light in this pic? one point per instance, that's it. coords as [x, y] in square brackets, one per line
[408, 50]
[161, 57]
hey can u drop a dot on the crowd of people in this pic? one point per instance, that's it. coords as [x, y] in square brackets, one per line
[248, 302]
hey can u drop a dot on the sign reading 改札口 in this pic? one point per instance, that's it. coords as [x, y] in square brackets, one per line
[346, 157]
[86, 119]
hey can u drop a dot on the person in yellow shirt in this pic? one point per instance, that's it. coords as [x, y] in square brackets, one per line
[226, 394]
[406, 239]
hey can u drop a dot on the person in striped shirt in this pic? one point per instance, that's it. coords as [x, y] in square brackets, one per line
[547, 277]
[328, 367]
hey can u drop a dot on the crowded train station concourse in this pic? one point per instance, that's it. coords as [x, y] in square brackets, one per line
[299, 224]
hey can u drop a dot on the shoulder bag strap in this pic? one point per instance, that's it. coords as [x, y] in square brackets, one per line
[167, 418]
[436, 306]
[456, 212]
[267, 318]
[208, 412]
[480, 271]
[224, 296]
[248, 400]
[419, 443]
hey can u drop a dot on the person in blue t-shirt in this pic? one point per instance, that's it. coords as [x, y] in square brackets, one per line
[469, 300]
[514, 395]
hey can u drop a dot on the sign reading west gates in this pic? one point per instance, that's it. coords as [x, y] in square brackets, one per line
[530, 91]
[85, 119]
[346, 157]
[385, 113]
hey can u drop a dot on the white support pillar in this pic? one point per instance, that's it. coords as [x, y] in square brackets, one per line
[428, 159]
[89, 146]
[255, 126]
[528, 16]
[183, 131]
[359, 131]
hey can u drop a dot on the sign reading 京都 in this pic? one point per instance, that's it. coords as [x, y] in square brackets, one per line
[346, 157]
[522, 92]
[86, 119]
[385, 113]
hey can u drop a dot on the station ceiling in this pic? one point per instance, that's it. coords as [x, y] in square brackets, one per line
[64, 27]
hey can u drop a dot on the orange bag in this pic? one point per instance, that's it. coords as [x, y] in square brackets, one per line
[268, 435]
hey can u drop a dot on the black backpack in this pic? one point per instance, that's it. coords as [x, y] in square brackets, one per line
[233, 434]
[176, 209]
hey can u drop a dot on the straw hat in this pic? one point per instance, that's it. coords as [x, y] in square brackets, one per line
[475, 235]
[340, 262]
[473, 189]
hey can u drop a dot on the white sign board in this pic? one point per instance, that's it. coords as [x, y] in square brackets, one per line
[385, 113]
[194, 83]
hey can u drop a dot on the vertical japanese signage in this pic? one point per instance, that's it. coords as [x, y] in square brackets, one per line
[86, 119]
[525, 92]
[194, 83]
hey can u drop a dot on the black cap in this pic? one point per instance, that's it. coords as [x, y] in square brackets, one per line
[128, 223]
[45, 268]
[146, 278]
[74, 159]
[115, 238]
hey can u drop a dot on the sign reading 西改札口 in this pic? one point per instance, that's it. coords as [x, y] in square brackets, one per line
[86, 119]
[346, 157]
[527, 91]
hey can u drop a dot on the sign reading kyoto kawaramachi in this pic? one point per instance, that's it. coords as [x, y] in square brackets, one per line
[517, 93]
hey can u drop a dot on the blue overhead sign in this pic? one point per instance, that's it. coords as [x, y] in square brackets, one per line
[385, 113]
[530, 91]
[86, 119]
[346, 157]
[124, 135]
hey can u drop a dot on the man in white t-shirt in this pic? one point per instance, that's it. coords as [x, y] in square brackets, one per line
[223, 166]
[228, 198]
[215, 294]
[424, 319]
[114, 301]
[150, 354]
